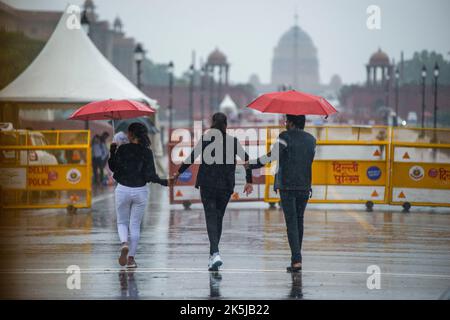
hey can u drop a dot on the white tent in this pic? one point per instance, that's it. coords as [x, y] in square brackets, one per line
[70, 69]
[228, 105]
[68, 72]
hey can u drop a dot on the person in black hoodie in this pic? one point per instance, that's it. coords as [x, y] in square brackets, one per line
[133, 166]
[216, 178]
[294, 150]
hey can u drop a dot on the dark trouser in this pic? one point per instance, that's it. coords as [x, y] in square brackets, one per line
[97, 165]
[294, 203]
[215, 202]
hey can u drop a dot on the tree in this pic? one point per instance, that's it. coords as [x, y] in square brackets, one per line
[413, 68]
[16, 53]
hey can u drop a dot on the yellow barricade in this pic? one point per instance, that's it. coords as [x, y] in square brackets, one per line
[45, 169]
[351, 164]
[420, 165]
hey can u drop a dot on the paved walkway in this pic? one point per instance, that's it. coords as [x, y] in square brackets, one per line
[341, 242]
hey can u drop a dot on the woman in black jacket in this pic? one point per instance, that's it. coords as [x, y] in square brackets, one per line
[133, 168]
[216, 178]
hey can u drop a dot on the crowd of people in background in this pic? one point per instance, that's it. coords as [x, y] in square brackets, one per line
[100, 154]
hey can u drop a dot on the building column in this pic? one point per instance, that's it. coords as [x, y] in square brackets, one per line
[368, 76]
[227, 70]
[374, 71]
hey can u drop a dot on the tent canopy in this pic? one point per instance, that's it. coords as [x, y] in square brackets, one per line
[70, 69]
[228, 104]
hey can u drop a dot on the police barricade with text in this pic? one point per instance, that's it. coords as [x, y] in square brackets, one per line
[351, 164]
[45, 169]
[420, 167]
[180, 146]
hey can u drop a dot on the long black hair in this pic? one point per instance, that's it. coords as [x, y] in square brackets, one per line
[219, 122]
[140, 131]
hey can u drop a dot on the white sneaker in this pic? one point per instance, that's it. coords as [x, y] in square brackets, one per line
[131, 264]
[214, 262]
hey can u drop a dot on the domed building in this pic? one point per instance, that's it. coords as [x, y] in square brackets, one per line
[117, 25]
[217, 58]
[295, 63]
[335, 83]
[218, 68]
[379, 69]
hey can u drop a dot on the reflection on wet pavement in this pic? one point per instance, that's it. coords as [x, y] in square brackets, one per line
[296, 289]
[214, 284]
[128, 286]
[412, 251]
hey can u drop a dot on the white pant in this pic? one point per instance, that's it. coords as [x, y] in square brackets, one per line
[130, 209]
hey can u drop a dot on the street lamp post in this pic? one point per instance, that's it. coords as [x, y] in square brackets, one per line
[436, 76]
[397, 76]
[202, 90]
[85, 24]
[210, 73]
[191, 95]
[386, 95]
[170, 106]
[424, 76]
[138, 57]
[388, 87]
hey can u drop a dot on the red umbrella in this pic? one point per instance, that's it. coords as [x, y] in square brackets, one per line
[292, 102]
[111, 110]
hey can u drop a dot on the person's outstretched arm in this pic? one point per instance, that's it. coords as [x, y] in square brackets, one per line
[272, 155]
[198, 149]
[150, 171]
[243, 155]
[240, 151]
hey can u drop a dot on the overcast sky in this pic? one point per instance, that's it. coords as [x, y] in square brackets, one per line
[248, 30]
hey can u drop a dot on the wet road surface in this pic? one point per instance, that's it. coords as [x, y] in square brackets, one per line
[412, 251]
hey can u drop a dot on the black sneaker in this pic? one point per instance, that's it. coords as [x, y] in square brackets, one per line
[294, 269]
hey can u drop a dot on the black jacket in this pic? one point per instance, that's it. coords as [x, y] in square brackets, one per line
[133, 166]
[217, 172]
[294, 150]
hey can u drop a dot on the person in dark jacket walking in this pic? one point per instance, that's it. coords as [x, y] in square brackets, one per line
[99, 157]
[294, 150]
[133, 166]
[216, 178]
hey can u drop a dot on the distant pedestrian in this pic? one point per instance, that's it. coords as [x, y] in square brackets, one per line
[103, 139]
[99, 154]
[133, 166]
[120, 138]
[294, 150]
[216, 178]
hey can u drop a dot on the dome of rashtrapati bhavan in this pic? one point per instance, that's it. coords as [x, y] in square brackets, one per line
[295, 63]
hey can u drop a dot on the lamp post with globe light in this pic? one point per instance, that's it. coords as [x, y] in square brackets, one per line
[85, 24]
[436, 76]
[397, 76]
[424, 77]
[139, 55]
[170, 69]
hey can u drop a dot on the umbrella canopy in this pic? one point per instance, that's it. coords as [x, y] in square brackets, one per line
[122, 125]
[292, 102]
[111, 109]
